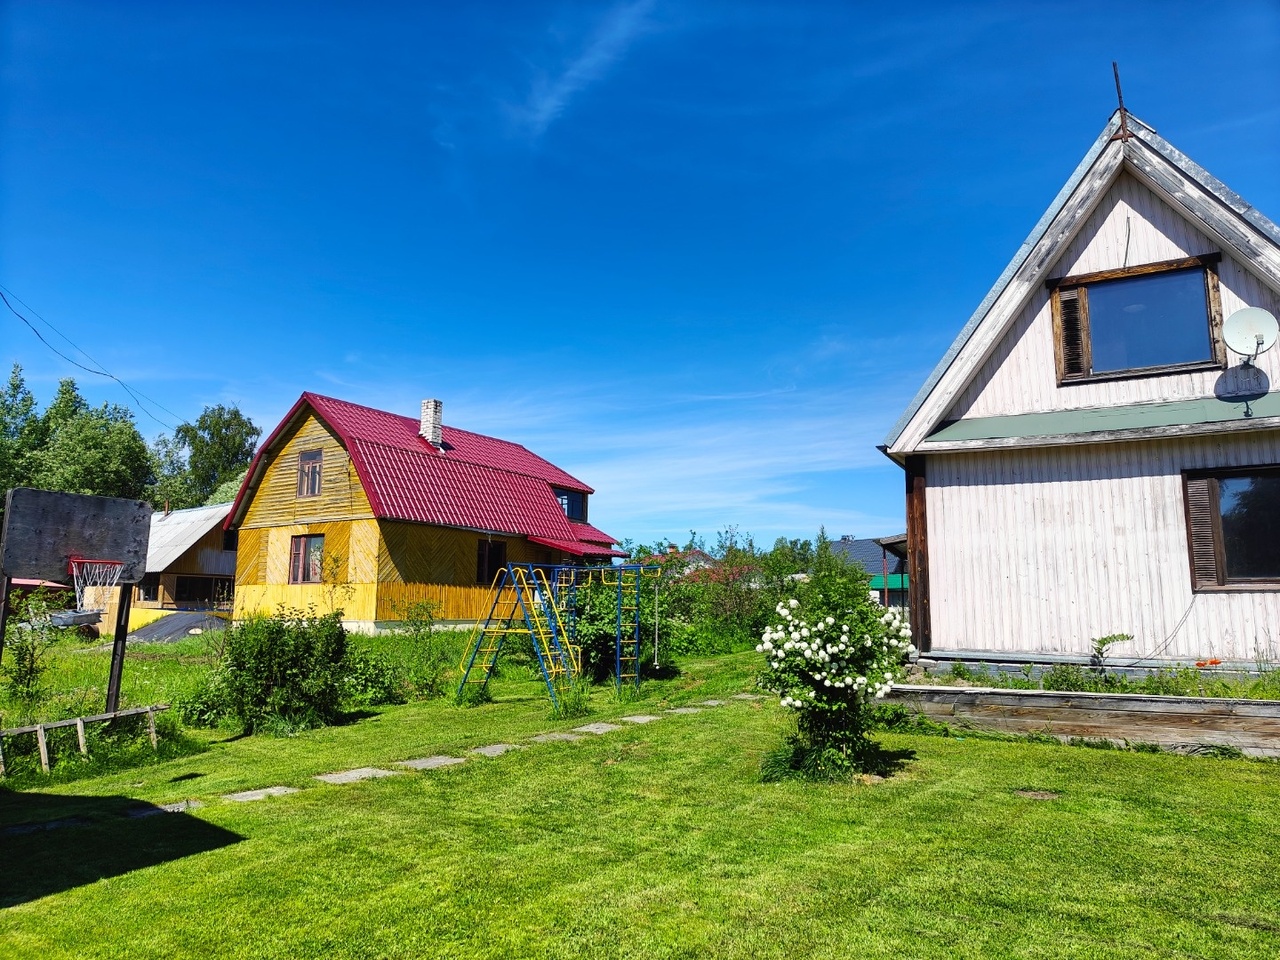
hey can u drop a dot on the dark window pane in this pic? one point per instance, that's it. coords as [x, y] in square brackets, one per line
[1149, 321]
[1250, 508]
[573, 503]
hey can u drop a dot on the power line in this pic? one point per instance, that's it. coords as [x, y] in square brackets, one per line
[100, 372]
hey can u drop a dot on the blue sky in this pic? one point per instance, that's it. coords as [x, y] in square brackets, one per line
[701, 255]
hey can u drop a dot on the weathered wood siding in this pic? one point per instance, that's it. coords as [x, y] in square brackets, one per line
[417, 562]
[1042, 550]
[276, 499]
[1020, 376]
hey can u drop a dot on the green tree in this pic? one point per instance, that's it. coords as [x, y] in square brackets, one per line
[219, 445]
[172, 486]
[94, 451]
[227, 491]
[18, 425]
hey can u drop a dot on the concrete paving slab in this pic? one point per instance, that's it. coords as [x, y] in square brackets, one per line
[431, 763]
[555, 737]
[685, 710]
[496, 749]
[597, 728]
[247, 795]
[711, 703]
[356, 775]
[640, 718]
[149, 810]
[748, 696]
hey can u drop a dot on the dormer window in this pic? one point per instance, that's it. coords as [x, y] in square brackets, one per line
[1154, 319]
[573, 503]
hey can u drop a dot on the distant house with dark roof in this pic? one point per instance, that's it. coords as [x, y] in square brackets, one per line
[884, 559]
[349, 507]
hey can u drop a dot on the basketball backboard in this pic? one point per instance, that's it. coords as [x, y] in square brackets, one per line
[44, 529]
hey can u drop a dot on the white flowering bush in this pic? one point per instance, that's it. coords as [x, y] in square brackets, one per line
[830, 654]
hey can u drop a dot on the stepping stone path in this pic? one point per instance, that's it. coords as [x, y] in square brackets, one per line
[369, 773]
[354, 776]
[432, 763]
[597, 728]
[147, 810]
[496, 749]
[247, 795]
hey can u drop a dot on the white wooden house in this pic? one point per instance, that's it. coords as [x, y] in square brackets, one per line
[1088, 459]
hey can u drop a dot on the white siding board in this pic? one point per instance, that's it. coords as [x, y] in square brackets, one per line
[1043, 550]
[1020, 376]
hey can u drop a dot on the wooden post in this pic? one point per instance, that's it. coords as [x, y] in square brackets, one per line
[117, 648]
[1, 756]
[4, 611]
[151, 729]
[44, 747]
[918, 554]
[84, 744]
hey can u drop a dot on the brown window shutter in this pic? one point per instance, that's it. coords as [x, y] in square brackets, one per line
[1201, 503]
[1073, 359]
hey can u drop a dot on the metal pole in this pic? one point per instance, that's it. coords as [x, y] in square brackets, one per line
[117, 648]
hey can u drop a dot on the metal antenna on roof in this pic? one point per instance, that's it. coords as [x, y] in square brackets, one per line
[1124, 133]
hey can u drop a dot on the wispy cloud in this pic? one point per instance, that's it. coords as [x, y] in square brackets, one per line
[551, 95]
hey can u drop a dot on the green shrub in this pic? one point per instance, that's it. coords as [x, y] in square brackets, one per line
[28, 636]
[288, 666]
[371, 679]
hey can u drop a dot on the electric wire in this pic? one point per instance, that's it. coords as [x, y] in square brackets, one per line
[137, 396]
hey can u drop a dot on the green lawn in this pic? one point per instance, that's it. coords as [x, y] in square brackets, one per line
[653, 841]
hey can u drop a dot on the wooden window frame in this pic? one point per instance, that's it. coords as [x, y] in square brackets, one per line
[299, 550]
[1206, 547]
[1074, 290]
[310, 474]
[565, 497]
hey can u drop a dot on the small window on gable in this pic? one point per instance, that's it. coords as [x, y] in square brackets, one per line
[573, 503]
[1140, 321]
[309, 463]
[1233, 528]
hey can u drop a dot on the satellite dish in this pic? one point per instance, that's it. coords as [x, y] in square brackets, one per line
[1249, 332]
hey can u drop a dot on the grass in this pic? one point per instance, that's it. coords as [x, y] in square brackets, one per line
[654, 841]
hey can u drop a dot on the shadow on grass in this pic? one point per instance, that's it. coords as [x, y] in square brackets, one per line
[56, 842]
[885, 763]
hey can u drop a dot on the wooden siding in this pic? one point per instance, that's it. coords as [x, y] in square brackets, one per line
[455, 603]
[416, 553]
[251, 557]
[206, 558]
[1043, 550]
[355, 600]
[1020, 375]
[276, 499]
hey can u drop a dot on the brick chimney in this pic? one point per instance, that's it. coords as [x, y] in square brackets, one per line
[432, 415]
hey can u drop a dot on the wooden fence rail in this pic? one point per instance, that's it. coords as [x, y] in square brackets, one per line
[41, 731]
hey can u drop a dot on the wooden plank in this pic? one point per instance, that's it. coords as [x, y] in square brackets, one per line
[43, 743]
[80, 737]
[151, 729]
[1182, 263]
[43, 529]
[96, 718]
[918, 553]
[1, 755]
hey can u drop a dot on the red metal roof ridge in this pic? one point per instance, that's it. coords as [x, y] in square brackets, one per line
[459, 462]
[346, 436]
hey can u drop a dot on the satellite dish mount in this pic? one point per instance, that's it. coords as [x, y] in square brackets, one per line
[1250, 332]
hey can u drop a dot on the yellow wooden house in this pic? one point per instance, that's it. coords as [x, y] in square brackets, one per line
[346, 507]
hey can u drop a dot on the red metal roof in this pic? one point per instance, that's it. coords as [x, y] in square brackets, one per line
[476, 482]
[577, 549]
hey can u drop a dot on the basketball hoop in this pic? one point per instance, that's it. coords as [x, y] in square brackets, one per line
[97, 574]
